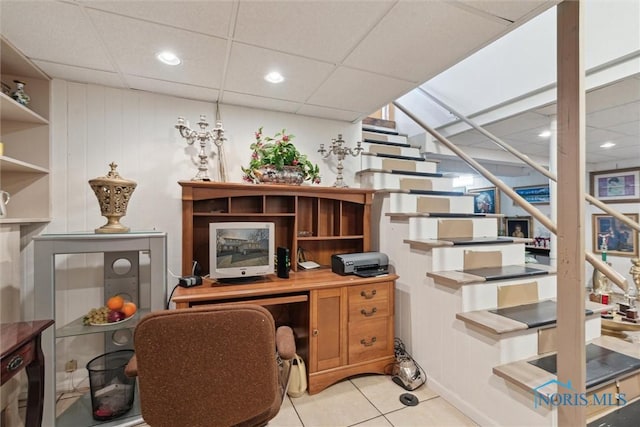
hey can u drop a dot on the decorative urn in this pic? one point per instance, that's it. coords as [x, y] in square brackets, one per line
[113, 193]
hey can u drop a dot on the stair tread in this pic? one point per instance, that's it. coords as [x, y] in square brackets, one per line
[522, 317]
[394, 144]
[395, 156]
[400, 172]
[425, 192]
[379, 129]
[536, 380]
[460, 277]
[465, 241]
[403, 215]
[625, 416]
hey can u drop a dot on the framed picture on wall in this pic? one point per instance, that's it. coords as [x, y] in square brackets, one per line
[616, 186]
[519, 226]
[534, 194]
[486, 200]
[620, 239]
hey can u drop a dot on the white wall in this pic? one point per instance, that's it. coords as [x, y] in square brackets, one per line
[95, 125]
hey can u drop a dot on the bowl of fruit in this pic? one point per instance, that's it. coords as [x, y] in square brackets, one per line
[116, 310]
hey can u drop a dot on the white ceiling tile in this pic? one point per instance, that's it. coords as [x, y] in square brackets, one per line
[598, 136]
[207, 17]
[373, 90]
[63, 35]
[133, 44]
[329, 113]
[430, 35]
[249, 64]
[173, 88]
[614, 116]
[621, 92]
[81, 75]
[325, 30]
[243, 99]
[511, 10]
[631, 128]
[525, 121]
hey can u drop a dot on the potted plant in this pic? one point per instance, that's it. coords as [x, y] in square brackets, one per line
[277, 160]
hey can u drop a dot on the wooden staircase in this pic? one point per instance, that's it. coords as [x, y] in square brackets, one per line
[446, 307]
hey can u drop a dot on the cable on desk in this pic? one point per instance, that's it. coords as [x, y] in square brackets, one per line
[170, 295]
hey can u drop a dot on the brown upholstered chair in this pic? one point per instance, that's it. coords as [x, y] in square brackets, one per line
[213, 366]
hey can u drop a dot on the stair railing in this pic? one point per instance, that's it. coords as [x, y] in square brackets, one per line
[528, 207]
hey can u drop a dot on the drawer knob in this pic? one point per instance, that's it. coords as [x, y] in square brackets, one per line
[15, 363]
[368, 343]
[368, 295]
[315, 333]
[366, 313]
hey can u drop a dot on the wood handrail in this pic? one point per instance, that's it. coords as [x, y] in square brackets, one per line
[542, 218]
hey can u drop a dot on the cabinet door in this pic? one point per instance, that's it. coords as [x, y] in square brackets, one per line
[328, 315]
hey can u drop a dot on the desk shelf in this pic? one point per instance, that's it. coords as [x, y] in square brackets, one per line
[326, 220]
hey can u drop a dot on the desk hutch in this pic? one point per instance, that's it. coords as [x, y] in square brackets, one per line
[344, 325]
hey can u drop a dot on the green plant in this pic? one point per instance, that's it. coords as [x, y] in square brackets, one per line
[279, 152]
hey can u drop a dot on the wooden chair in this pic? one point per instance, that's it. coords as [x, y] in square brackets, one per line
[212, 366]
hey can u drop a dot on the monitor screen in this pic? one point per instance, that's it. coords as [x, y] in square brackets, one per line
[241, 249]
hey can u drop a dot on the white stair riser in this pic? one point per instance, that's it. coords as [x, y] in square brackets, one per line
[427, 228]
[375, 162]
[381, 180]
[452, 257]
[384, 137]
[389, 149]
[408, 203]
[484, 296]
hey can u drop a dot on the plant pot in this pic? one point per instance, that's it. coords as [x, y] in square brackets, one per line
[269, 174]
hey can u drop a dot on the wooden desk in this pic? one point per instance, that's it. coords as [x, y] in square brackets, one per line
[344, 325]
[20, 346]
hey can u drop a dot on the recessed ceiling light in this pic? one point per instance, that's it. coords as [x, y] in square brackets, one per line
[168, 58]
[274, 77]
[608, 145]
[545, 134]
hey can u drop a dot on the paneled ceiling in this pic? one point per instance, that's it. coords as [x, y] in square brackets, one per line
[341, 59]
[612, 116]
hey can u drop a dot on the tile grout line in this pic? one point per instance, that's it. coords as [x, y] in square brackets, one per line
[372, 404]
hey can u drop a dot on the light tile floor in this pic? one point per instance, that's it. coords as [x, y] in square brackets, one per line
[364, 401]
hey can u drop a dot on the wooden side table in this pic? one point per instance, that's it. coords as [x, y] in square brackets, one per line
[20, 347]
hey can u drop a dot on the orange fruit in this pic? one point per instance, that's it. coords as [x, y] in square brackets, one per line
[115, 303]
[129, 309]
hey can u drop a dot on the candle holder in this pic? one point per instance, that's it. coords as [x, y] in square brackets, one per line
[216, 136]
[341, 151]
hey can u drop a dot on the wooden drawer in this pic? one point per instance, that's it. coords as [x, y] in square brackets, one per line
[369, 340]
[368, 301]
[16, 361]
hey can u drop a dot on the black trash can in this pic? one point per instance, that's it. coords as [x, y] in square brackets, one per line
[112, 392]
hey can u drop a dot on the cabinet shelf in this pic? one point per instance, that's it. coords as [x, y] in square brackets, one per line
[243, 214]
[8, 164]
[24, 220]
[76, 327]
[13, 111]
[311, 238]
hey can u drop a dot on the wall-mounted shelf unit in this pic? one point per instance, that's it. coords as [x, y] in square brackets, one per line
[320, 220]
[24, 131]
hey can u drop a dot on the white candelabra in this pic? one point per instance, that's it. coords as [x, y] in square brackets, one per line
[337, 147]
[216, 135]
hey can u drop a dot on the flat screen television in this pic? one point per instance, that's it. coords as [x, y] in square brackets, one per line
[239, 250]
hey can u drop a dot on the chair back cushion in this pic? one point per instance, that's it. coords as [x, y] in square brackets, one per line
[211, 366]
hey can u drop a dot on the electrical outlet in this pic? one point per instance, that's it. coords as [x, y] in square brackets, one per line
[71, 365]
